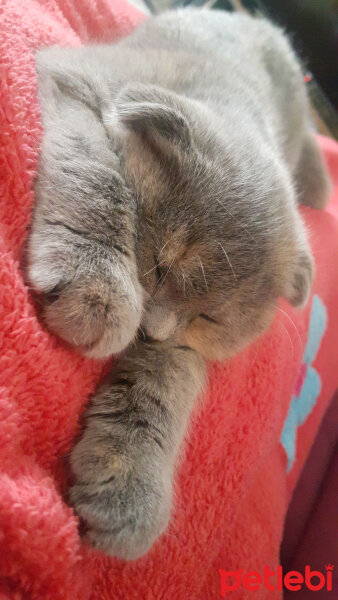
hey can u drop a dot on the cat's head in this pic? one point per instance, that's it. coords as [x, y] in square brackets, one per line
[219, 235]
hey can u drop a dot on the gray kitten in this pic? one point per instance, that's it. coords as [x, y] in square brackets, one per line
[166, 204]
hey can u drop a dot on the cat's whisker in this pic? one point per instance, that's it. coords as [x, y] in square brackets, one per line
[183, 277]
[161, 281]
[168, 271]
[167, 242]
[153, 268]
[143, 333]
[164, 245]
[292, 323]
[289, 336]
[228, 259]
[236, 220]
[205, 281]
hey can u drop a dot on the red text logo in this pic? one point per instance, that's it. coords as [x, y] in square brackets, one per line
[276, 580]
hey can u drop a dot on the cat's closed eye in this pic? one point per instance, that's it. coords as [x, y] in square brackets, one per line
[208, 318]
[160, 273]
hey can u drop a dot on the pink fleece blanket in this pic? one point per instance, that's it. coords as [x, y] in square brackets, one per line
[247, 442]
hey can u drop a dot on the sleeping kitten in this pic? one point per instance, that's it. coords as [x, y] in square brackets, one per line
[166, 226]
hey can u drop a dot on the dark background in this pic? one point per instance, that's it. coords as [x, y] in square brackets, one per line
[315, 27]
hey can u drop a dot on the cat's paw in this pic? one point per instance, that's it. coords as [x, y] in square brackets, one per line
[124, 502]
[91, 299]
[81, 257]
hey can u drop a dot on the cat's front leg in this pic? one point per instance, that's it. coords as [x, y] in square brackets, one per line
[80, 251]
[81, 256]
[124, 463]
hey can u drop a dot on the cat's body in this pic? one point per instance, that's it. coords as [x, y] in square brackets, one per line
[166, 199]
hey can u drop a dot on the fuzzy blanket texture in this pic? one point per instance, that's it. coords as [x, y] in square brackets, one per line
[248, 439]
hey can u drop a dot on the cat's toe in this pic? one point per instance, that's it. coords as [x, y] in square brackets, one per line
[123, 519]
[91, 299]
[97, 315]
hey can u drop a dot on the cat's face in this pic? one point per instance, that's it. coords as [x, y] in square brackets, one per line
[216, 245]
[215, 240]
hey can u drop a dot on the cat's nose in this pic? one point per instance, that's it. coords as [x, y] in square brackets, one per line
[159, 323]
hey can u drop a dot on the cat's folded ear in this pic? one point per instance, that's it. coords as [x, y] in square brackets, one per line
[60, 77]
[154, 113]
[298, 286]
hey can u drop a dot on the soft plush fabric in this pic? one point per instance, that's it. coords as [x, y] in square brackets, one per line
[311, 525]
[248, 438]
